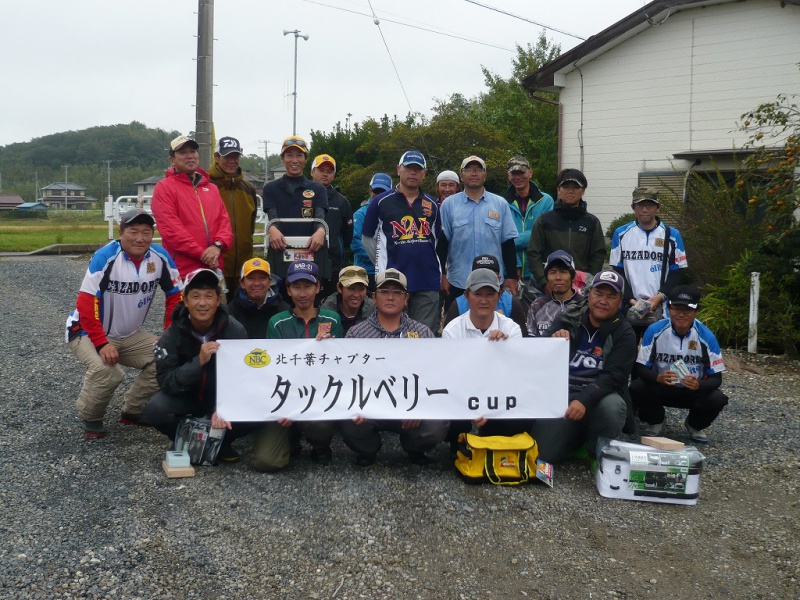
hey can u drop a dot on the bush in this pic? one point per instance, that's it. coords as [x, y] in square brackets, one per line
[620, 220]
[13, 215]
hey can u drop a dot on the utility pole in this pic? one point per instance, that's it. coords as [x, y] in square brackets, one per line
[205, 80]
[38, 192]
[266, 160]
[66, 179]
[297, 34]
[108, 174]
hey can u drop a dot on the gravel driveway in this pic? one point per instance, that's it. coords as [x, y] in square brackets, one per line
[98, 519]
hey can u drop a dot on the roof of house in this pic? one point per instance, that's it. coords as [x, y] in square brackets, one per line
[150, 180]
[648, 16]
[10, 199]
[61, 185]
[25, 205]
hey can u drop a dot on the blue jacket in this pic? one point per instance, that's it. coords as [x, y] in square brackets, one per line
[360, 256]
[538, 203]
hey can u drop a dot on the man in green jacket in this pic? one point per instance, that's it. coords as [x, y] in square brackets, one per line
[239, 197]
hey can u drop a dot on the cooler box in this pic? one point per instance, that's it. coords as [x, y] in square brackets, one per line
[637, 472]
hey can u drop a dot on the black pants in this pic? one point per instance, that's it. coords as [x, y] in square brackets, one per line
[704, 406]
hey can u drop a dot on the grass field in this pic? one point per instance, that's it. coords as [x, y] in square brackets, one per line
[24, 235]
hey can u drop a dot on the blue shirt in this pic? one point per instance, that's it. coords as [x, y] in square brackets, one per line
[360, 256]
[474, 228]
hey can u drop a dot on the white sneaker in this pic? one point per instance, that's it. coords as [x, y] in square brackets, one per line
[697, 435]
[652, 429]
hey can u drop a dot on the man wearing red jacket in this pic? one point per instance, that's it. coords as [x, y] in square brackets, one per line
[190, 214]
[104, 331]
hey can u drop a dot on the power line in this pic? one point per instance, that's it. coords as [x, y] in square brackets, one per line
[443, 33]
[503, 12]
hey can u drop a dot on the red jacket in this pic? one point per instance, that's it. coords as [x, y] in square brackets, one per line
[190, 217]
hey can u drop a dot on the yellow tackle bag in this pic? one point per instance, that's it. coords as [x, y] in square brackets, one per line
[498, 459]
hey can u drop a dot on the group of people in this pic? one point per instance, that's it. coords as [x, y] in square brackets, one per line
[423, 266]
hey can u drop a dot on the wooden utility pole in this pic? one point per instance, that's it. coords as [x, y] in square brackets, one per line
[205, 80]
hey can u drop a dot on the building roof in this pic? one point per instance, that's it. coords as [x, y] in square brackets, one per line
[25, 205]
[548, 77]
[150, 180]
[10, 199]
[61, 185]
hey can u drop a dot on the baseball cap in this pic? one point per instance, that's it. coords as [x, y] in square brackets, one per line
[412, 157]
[201, 278]
[380, 181]
[472, 159]
[323, 158]
[181, 141]
[562, 257]
[611, 278]
[641, 194]
[228, 145]
[688, 295]
[518, 163]
[448, 176]
[353, 274]
[136, 215]
[294, 140]
[573, 175]
[391, 275]
[255, 264]
[302, 269]
[486, 261]
[481, 278]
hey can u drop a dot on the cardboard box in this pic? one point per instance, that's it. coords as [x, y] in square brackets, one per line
[173, 472]
[662, 443]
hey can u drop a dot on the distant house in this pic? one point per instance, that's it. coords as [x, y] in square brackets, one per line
[27, 206]
[145, 187]
[659, 94]
[67, 196]
[276, 172]
[256, 179]
[10, 201]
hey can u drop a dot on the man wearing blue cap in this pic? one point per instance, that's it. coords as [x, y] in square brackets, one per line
[304, 321]
[400, 231]
[379, 183]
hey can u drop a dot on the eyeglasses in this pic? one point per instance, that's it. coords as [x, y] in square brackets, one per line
[473, 170]
[391, 293]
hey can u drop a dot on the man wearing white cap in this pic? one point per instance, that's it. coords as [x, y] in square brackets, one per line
[447, 184]
[190, 214]
[400, 231]
[475, 222]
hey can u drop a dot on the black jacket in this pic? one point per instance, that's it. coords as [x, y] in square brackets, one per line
[256, 318]
[177, 352]
[340, 227]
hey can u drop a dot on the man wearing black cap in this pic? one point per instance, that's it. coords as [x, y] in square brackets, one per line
[192, 220]
[104, 331]
[680, 365]
[569, 227]
[239, 197]
[507, 305]
[186, 362]
[602, 353]
[527, 203]
[649, 255]
[547, 309]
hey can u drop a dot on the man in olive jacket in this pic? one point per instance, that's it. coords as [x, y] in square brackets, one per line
[239, 197]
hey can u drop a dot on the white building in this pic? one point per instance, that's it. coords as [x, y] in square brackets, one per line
[662, 92]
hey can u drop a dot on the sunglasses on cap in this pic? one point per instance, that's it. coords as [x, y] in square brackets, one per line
[300, 143]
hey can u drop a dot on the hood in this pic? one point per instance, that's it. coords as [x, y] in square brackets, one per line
[214, 172]
[184, 178]
[536, 193]
[570, 212]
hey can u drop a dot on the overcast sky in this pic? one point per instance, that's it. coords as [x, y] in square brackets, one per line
[74, 64]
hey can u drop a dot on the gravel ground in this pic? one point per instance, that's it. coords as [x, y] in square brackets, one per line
[98, 519]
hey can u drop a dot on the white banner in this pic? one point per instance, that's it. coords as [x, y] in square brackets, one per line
[331, 379]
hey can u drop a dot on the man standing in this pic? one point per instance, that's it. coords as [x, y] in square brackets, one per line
[547, 309]
[350, 302]
[239, 197]
[104, 330]
[447, 184]
[379, 183]
[339, 218]
[602, 352]
[475, 222]
[257, 300]
[191, 217]
[527, 203]
[680, 365]
[400, 232]
[569, 227]
[303, 321]
[186, 362]
[362, 436]
[482, 320]
[293, 196]
[648, 254]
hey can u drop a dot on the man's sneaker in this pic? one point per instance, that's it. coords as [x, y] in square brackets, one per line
[365, 460]
[418, 458]
[94, 429]
[321, 456]
[227, 454]
[698, 436]
[127, 418]
[652, 429]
